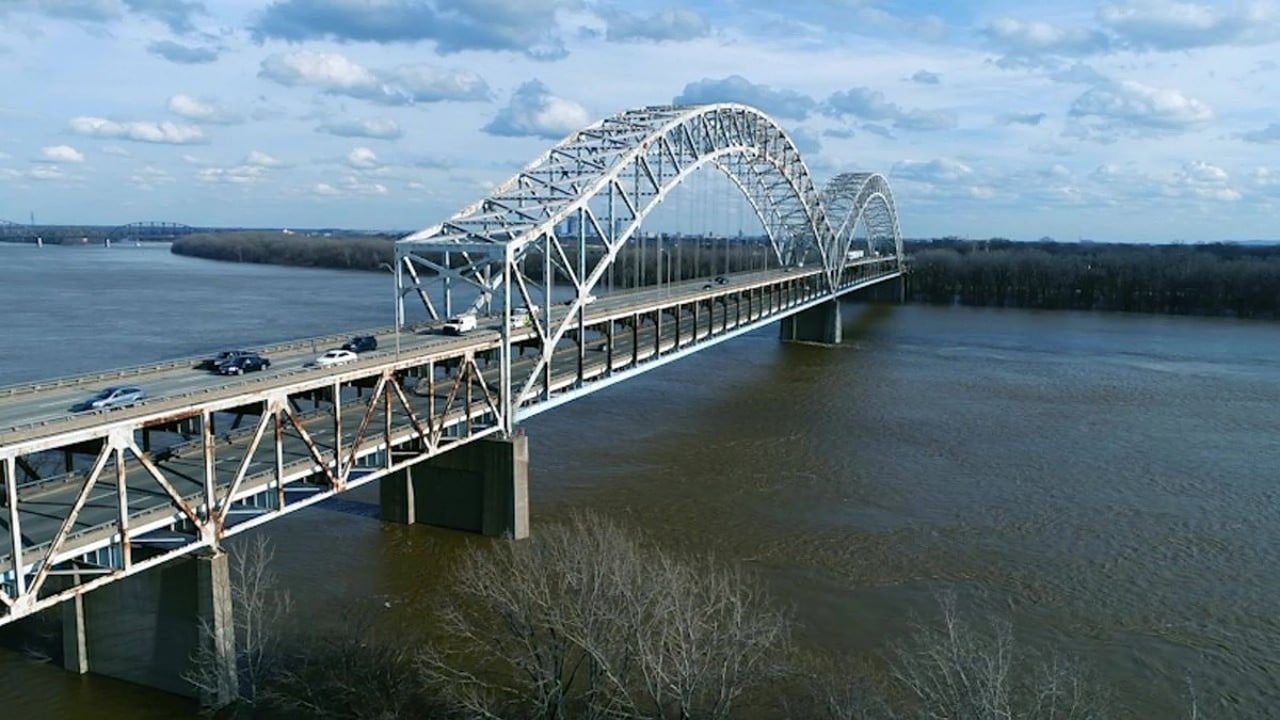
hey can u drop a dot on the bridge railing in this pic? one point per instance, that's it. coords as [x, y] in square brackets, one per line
[125, 373]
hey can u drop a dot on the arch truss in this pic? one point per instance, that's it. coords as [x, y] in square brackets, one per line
[149, 230]
[562, 225]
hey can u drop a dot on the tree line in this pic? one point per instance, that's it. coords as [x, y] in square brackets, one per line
[344, 252]
[1220, 279]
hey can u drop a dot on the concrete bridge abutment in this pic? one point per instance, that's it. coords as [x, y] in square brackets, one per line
[818, 324]
[481, 487]
[152, 628]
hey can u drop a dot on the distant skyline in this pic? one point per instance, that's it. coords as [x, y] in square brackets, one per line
[1132, 120]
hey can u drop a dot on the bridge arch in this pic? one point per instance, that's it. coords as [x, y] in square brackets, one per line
[610, 175]
[149, 230]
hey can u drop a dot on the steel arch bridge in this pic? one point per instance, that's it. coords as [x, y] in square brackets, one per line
[148, 230]
[577, 205]
[91, 498]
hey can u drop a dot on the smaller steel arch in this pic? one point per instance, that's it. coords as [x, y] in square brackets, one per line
[149, 230]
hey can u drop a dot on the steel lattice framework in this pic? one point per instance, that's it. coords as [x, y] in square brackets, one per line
[576, 206]
[149, 230]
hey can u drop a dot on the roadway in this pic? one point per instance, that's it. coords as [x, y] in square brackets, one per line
[44, 407]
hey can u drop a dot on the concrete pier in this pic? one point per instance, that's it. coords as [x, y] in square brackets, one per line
[818, 324]
[147, 628]
[480, 487]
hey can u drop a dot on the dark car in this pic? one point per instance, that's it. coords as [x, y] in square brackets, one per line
[722, 280]
[111, 397]
[222, 357]
[243, 364]
[361, 343]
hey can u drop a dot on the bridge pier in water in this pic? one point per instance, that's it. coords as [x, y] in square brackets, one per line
[818, 324]
[480, 487]
[148, 628]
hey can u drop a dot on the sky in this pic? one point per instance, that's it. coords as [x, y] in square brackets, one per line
[1130, 121]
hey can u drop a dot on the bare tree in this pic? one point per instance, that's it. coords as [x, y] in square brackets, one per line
[586, 621]
[951, 671]
[259, 607]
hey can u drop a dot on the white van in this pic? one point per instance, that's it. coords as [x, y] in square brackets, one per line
[459, 324]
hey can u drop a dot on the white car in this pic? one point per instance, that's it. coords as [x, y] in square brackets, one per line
[336, 357]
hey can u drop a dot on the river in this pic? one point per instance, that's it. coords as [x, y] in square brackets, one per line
[1105, 482]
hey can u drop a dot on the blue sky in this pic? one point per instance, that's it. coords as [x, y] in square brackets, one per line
[1131, 120]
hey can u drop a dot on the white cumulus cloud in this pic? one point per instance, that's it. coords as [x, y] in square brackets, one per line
[138, 131]
[61, 153]
[362, 158]
[1132, 108]
[336, 74]
[205, 111]
[534, 111]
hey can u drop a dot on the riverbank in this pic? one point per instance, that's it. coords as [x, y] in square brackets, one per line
[1218, 279]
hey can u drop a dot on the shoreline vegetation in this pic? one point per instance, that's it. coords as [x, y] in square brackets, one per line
[1213, 279]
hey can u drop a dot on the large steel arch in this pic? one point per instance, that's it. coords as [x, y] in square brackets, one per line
[563, 221]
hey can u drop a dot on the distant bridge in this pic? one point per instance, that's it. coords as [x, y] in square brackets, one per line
[569, 297]
[148, 231]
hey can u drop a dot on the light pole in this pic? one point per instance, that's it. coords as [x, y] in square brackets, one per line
[395, 306]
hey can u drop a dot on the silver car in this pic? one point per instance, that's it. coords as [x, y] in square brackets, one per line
[111, 397]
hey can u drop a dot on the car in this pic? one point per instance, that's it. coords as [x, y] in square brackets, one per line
[244, 364]
[586, 300]
[336, 357]
[708, 286]
[222, 357]
[361, 343]
[112, 397]
[722, 280]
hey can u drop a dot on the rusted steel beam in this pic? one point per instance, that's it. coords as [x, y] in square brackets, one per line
[69, 522]
[178, 501]
[224, 505]
[313, 449]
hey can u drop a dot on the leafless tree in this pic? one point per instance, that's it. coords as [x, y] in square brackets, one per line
[259, 608]
[587, 621]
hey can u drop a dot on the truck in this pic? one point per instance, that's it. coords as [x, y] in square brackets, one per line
[522, 318]
[855, 254]
[460, 324]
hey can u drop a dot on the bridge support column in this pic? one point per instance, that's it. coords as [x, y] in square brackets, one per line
[148, 629]
[818, 324]
[480, 487]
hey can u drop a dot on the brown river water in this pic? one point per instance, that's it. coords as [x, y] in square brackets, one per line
[1106, 482]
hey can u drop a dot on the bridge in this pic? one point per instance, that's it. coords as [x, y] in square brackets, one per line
[569, 296]
[140, 231]
[147, 231]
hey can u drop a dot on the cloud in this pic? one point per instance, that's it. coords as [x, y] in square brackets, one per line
[238, 175]
[378, 128]
[1023, 118]
[1129, 107]
[807, 141]
[362, 158]
[257, 158]
[61, 153]
[138, 131]
[735, 88]
[335, 74]
[1269, 134]
[1205, 181]
[1182, 25]
[176, 14]
[939, 171]
[1080, 74]
[527, 26]
[202, 111]
[183, 54]
[868, 104]
[533, 111]
[672, 25]
[350, 185]
[98, 11]
[924, 77]
[1025, 43]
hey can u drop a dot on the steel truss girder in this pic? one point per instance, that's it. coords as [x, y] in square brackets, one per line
[172, 503]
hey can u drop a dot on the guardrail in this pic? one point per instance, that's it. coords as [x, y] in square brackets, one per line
[188, 362]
